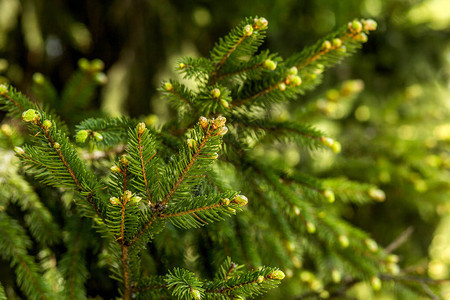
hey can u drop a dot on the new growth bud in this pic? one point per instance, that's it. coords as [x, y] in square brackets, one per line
[240, 200]
[336, 42]
[362, 37]
[191, 143]
[38, 78]
[277, 275]
[19, 150]
[141, 128]
[343, 241]
[310, 227]
[47, 124]
[329, 195]
[98, 137]
[225, 202]
[219, 121]
[375, 282]
[83, 64]
[3, 89]
[115, 169]
[81, 136]
[135, 200]
[181, 65]
[168, 86]
[203, 122]
[282, 87]
[248, 30]
[377, 194]
[56, 145]
[195, 294]
[326, 45]
[260, 279]
[215, 93]
[31, 115]
[97, 65]
[223, 130]
[260, 23]
[124, 160]
[355, 26]
[269, 64]
[371, 245]
[293, 71]
[127, 195]
[336, 276]
[114, 201]
[369, 25]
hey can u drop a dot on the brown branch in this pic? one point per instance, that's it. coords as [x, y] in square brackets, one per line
[165, 216]
[186, 169]
[126, 275]
[149, 198]
[240, 102]
[14, 102]
[224, 59]
[238, 72]
[402, 238]
[141, 232]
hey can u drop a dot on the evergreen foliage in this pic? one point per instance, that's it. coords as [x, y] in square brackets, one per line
[187, 175]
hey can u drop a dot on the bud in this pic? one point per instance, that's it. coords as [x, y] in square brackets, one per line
[81, 136]
[191, 143]
[296, 80]
[83, 64]
[269, 64]
[332, 95]
[101, 78]
[181, 65]
[97, 65]
[19, 150]
[343, 241]
[336, 147]
[203, 122]
[6, 129]
[141, 128]
[306, 276]
[282, 87]
[329, 195]
[362, 37]
[56, 145]
[47, 124]
[223, 130]
[319, 69]
[240, 200]
[135, 200]
[127, 195]
[326, 45]
[377, 194]
[342, 49]
[260, 23]
[375, 282]
[115, 169]
[219, 121]
[393, 268]
[30, 115]
[114, 200]
[293, 71]
[195, 294]
[124, 160]
[324, 294]
[277, 275]
[310, 227]
[327, 141]
[38, 78]
[215, 93]
[369, 25]
[355, 26]
[168, 86]
[336, 42]
[224, 103]
[3, 89]
[225, 202]
[296, 210]
[392, 258]
[98, 137]
[336, 276]
[260, 279]
[248, 30]
[371, 245]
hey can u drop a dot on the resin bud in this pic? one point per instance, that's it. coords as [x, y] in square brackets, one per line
[168, 86]
[81, 136]
[240, 200]
[248, 30]
[269, 64]
[30, 115]
[141, 128]
[277, 275]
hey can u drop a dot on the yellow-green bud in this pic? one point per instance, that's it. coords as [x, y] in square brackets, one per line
[293, 71]
[306, 276]
[114, 201]
[47, 124]
[393, 268]
[181, 65]
[343, 241]
[115, 169]
[362, 37]
[336, 147]
[355, 26]
[168, 86]
[30, 115]
[392, 258]
[81, 136]
[369, 25]
[124, 160]
[324, 294]
[336, 276]
[196, 294]
[319, 69]
[296, 210]
[215, 93]
[97, 65]
[371, 245]
[3, 89]
[329, 195]
[260, 279]
[332, 95]
[101, 78]
[135, 199]
[310, 227]
[219, 121]
[342, 49]
[56, 145]
[269, 64]
[248, 30]
[38, 78]
[225, 201]
[203, 122]
[375, 282]
[141, 128]
[223, 130]
[98, 137]
[260, 23]
[6, 129]
[277, 275]
[296, 80]
[83, 64]
[282, 87]
[127, 195]
[336, 42]
[19, 150]
[377, 194]
[224, 103]
[240, 200]
[326, 45]
[191, 143]
[327, 141]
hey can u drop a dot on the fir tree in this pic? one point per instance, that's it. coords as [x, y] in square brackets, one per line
[187, 175]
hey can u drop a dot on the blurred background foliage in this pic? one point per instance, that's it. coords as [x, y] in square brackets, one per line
[388, 105]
